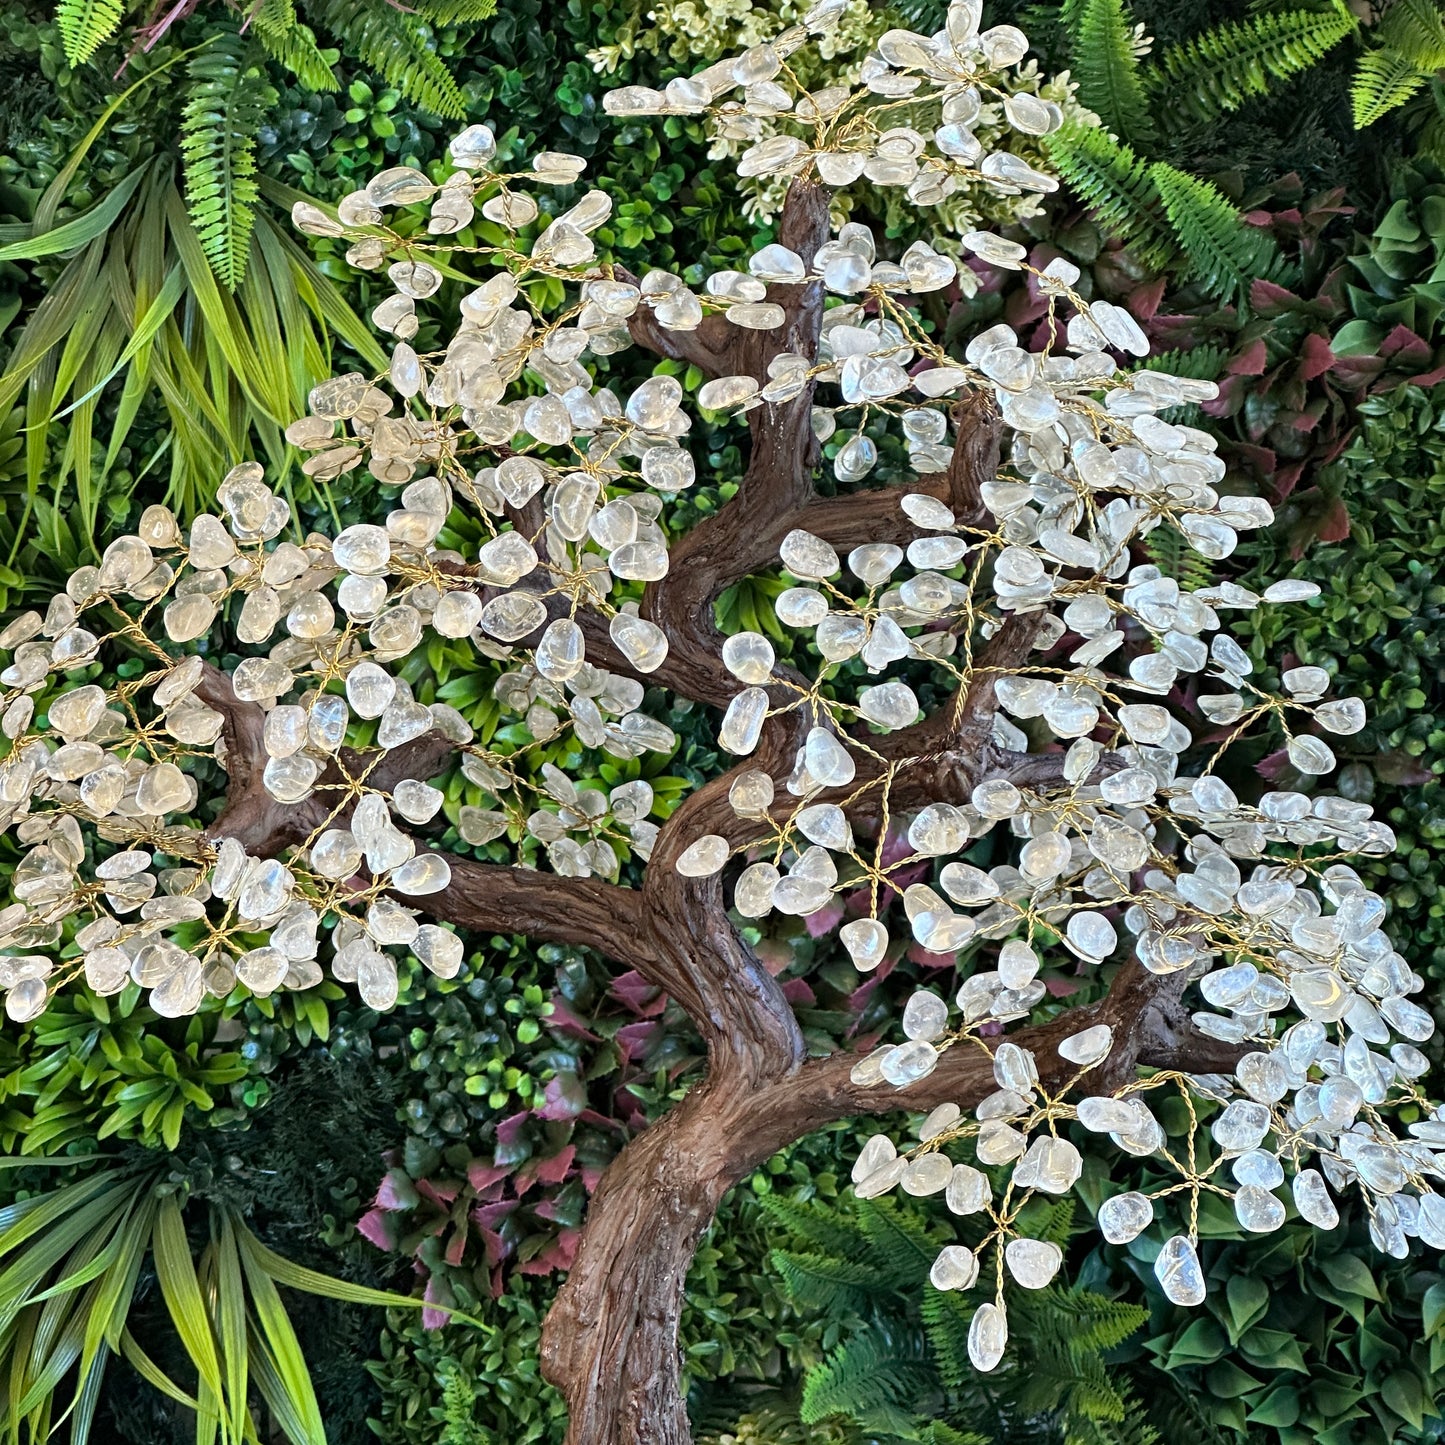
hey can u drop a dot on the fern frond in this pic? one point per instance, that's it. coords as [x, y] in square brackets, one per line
[1415, 29]
[940, 1434]
[1224, 254]
[457, 12]
[1113, 183]
[946, 1318]
[1199, 363]
[1101, 52]
[229, 96]
[826, 1282]
[1090, 1321]
[1384, 80]
[85, 25]
[903, 1248]
[293, 45]
[396, 44]
[871, 1369]
[1221, 69]
[1168, 549]
[829, 1229]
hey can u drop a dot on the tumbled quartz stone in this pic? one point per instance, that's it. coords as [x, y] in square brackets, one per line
[1052, 1165]
[1018, 964]
[416, 801]
[1312, 1199]
[927, 1174]
[828, 762]
[987, 1336]
[968, 1190]
[742, 724]
[1257, 1209]
[749, 656]
[955, 1268]
[905, 1064]
[753, 893]
[643, 643]
[890, 706]
[805, 555]
[925, 1016]
[1125, 1217]
[1089, 1046]
[704, 857]
[866, 940]
[1179, 1273]
[882, 1179]
[369, 689]
[1033, 1262]
[878, 1151]
[426, 873]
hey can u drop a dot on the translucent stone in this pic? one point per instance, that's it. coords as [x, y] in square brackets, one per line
[643, 643]
[187, 618]
[264, 892]
[416, 801]
[1125, 1217]
[1045, 856]
[987, 1336]
[1033, 1262]
[749, 656]
[326, 723]
[1050, 1164]
[1179, 1272]
[1018, 965]
[1091, 935]
[828, 762]
[211, 545]
[259, 679]
[164, 789]
[1258, 1210]
[1311, 755]
[1089, 1046]
[881, 1180]
[289, 780]
[753, 893]
[639, 561]
[801, 607]
[875, 1154]
[704, 857]
[438, 949]
[376, 980]
[805, 555]
[955, 1268]
[751, 793]
[426, 873]
[968, 1190]
[1104, 1115]
[996, 798]
[262, 970]
[927, 1174]
[890, 706]
[336, 854]
[925, 1016]
[402, 721]
[866, 940]
[505, 560]
[457, 613]
[827, 825]
[742, 724]
[905, 1064]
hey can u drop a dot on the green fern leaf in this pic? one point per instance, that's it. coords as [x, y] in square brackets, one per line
[872, 1369]
[1106, 68]
[1221, 69]
[229, 96]
[829, 1229]
[825, 1282]
[293, 45]
[946, 1318]
[398, 45]
[457, 12]
[1415, 29]
[940, 1434]
[903, 1249]
[1224, 254]
[85, 25]
[1384, 81]
[1113, 183]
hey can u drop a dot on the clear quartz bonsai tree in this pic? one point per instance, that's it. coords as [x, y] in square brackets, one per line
[1247, 969]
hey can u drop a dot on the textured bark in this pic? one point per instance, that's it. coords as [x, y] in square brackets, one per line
[610, 1342]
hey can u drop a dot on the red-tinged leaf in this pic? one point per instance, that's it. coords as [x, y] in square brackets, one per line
[1061, 987]
[1144, 300]
[1233, 393]
[1316, 358]
[495, 1250]
[440, 1193]
[564, 1098]
[600, 1121]
[636, 1039]
[554, 1170]
[1427, 378]
[636, 993]
[488, 1216]
[825, 920]
[558, 1256]
[396, 1191]
[591, 1176]
[1335, 524]
[563, 1021]
[378, 1226]
[1406, 347]
[438, 1293]
[1286, 479]
[482, 1176]
[921, 956]
[1272, 768]
[1248, 362]
[456, 1247]
[1264, 219]
[1261, 460]
[798, 993]
[509, 1131]
[1400, 770]
[774, 955]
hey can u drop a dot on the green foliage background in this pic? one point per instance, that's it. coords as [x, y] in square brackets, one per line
[450, 1145]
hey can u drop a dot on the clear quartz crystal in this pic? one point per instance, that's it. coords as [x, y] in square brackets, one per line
[1179, 1272]
[987, 1336]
